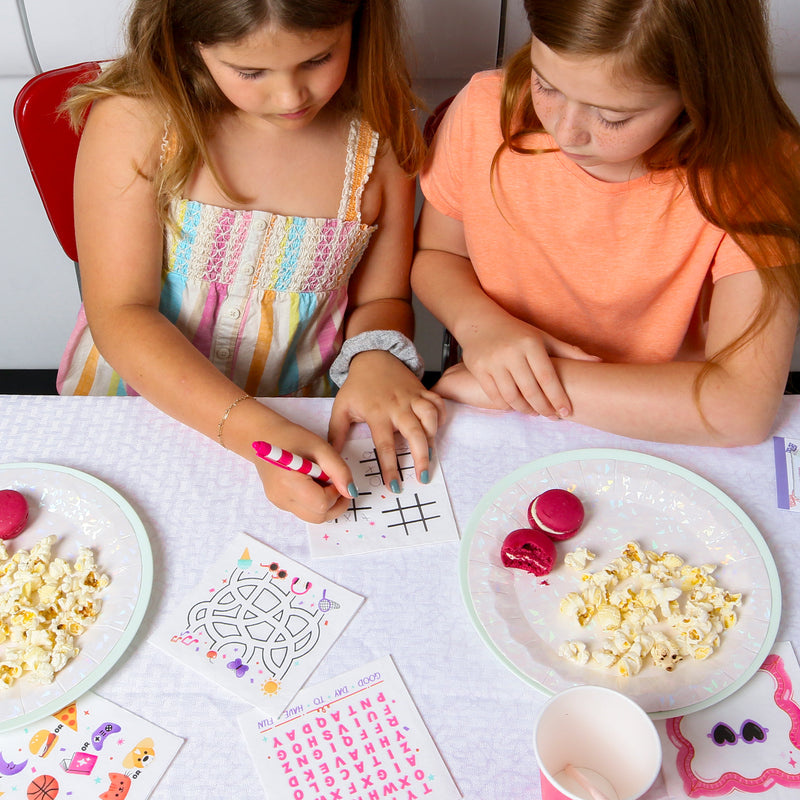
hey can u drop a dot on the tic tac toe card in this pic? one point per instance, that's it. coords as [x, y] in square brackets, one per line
[91, 748]
[379, 519]
[258, 623]
[358, 735]
[748, 743]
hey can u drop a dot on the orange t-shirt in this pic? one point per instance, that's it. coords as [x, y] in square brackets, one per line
[615, 268]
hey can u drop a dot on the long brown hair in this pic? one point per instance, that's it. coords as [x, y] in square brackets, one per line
[162, 63]
[736, 144]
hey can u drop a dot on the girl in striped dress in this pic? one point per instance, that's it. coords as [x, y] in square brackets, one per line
[244, 209]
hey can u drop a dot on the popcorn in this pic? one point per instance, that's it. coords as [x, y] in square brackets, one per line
[647, 606]
[579, 558]
[45, 603]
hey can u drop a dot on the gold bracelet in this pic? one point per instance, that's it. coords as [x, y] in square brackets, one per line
[225, 416]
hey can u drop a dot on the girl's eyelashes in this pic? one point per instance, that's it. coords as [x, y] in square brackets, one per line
[317, 62]
[614, 123]
[538, 86]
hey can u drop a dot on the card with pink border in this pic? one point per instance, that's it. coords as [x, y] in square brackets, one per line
[747, 744]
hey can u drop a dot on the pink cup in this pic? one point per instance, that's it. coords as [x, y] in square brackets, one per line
[593, 743]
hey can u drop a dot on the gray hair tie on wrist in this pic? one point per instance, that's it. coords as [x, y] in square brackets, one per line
[394, 342]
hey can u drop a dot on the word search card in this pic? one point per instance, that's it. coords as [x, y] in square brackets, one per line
[356, 736]
[379, 519]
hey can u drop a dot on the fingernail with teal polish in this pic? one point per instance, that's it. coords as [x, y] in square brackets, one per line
[395, 487]
[351, 490]
[425, 477]
[430, 452]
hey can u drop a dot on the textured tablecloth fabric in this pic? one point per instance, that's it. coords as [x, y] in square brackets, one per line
[192, 496]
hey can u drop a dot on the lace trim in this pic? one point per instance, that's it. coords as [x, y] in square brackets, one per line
[362, 145]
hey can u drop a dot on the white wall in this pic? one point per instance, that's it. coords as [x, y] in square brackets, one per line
[38, 294]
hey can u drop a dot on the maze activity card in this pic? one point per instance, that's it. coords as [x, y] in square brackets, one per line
[91, 748]
[379, 519]
[358, 735]
[258, 623]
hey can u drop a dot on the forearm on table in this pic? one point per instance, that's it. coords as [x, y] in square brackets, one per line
[657, 402]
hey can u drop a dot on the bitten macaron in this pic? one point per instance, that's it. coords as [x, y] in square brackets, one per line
[529, 550]
[557, 513]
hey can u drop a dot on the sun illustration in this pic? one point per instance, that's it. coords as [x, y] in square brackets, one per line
[271, 687]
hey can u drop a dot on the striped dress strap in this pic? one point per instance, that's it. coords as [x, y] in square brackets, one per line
[362, 146]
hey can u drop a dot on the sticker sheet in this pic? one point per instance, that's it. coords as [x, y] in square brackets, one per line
[787, 472]
[258, 623]
[747, 744]
[379, 519]
[91, 748]
[358, 735]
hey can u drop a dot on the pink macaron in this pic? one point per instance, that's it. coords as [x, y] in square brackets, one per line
[556, 512]
[530, 550]
[13, 513]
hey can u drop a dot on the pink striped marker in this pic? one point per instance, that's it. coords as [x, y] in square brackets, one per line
[288, 460]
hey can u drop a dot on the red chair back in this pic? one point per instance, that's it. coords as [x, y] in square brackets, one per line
[51, 145]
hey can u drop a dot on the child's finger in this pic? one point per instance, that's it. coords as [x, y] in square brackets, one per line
[560, 349]
[383, 439]
[339, 473]
[522, 400]
[419, 445]
[430, 410]
[548, 395]
[339, 426]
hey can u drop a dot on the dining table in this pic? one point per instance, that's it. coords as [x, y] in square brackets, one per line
[193, 497]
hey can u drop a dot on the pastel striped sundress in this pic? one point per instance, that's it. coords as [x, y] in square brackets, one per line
[262, 296]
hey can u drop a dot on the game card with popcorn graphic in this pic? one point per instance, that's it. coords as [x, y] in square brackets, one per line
[90, 748]
[359, 734]
[378, 519]
[258, 623]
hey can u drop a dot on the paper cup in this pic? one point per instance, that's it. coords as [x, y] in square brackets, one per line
[593, 743]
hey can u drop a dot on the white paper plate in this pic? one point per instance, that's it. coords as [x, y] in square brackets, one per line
[80, 510]
[628, 496]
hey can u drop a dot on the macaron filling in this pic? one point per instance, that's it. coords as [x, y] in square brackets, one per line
[556, 512]
[529, 550]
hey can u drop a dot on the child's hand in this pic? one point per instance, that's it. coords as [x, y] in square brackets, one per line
[511, 361]
[299, 494]
[381, 391]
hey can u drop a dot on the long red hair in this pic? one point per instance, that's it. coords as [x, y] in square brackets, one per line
[736, 144]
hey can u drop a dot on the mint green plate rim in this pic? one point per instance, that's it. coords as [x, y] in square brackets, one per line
[135, 620]
[667, 466]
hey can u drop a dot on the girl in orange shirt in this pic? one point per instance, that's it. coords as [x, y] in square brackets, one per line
[620, 97]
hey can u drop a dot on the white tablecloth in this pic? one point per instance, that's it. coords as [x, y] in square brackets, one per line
[193, 496]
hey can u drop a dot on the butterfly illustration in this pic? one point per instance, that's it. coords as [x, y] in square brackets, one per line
[237, 666]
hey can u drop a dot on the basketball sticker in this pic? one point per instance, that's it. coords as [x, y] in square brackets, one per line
[44, 787]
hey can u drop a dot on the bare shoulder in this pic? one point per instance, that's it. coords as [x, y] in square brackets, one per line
[126, 131]
[389, 188]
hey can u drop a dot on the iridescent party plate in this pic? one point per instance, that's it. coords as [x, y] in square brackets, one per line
[628, 497]
[80, 510]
